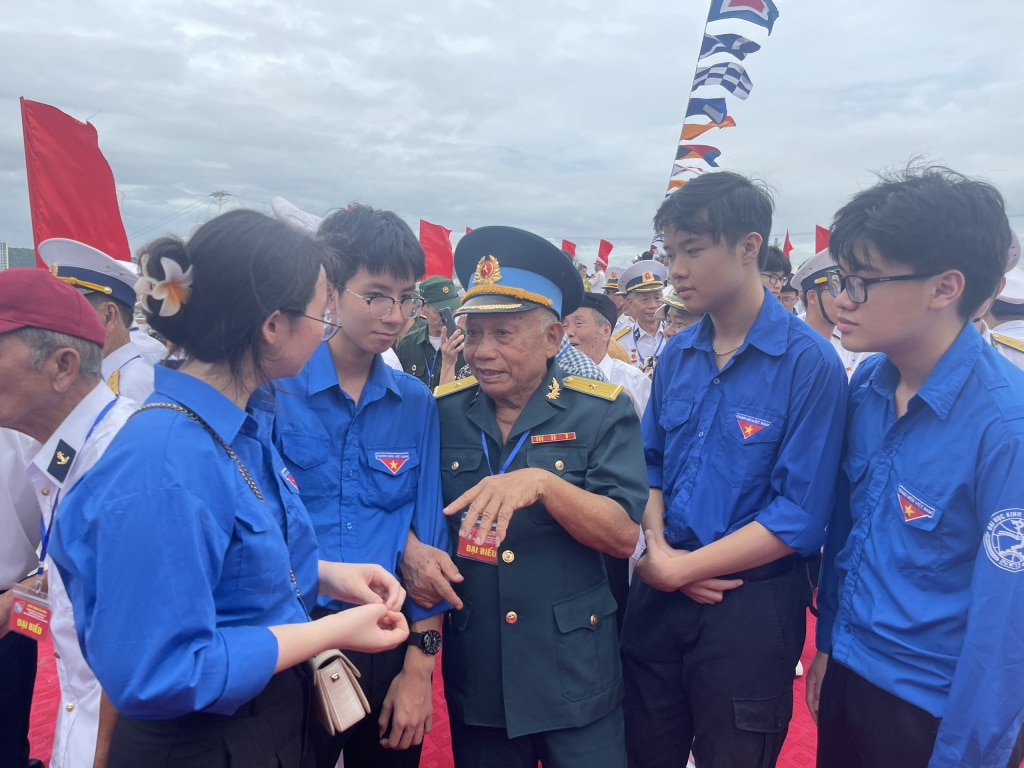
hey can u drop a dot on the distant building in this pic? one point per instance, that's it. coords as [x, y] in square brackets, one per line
[4, 264]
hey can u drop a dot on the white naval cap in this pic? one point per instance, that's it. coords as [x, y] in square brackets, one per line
[90, 269]
[294, 217]
[812, 272]
[1013, 291]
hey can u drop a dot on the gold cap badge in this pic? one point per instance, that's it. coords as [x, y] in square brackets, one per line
[488, 271]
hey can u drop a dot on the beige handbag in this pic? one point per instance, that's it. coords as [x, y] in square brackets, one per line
[338, 700]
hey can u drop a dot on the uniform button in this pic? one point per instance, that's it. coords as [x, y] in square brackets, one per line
[45, 491]
[700, 434]
[511, 617]
[716, 381]
[508, 556]
[593, 619]
[559, 465]
[56, 655]
[348, 526]
[70, 707]
[455, 465]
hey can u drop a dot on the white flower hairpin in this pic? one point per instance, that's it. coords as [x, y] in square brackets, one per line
[173, 290]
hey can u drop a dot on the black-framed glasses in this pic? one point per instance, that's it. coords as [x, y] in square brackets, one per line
[331, 323]
[381, 306]
[772, 278]
[856, 287]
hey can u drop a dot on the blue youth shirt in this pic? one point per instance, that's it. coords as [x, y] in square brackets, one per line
[758, 440]
[175, 569]
[367, 472]
[922, 588]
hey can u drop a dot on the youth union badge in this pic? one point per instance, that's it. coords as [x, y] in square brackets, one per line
[1004, 540]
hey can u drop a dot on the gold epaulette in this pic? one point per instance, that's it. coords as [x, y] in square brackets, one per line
[591, 387]
[1009, 341]
[454, 386]
[621, 332]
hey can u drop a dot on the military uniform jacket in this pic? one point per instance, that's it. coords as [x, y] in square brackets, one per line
[536, 647]
[420, 359]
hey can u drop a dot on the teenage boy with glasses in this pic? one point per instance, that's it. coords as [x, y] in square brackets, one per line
[921, 627]
[362, 442]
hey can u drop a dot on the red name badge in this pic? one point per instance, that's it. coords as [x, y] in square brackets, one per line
[484, 553]
[30, 613]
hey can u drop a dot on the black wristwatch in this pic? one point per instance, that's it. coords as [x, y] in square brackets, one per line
[429, 642]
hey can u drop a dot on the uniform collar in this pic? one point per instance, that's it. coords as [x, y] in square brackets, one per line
[223, 416]
[69, 437]
[120, 357]
[639, 333]
[538, 409]
[769, 333]
[320, 375]
[947, 379]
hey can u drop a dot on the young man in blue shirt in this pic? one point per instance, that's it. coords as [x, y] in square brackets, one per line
[921, 632]
[742, 436]
[362, 442]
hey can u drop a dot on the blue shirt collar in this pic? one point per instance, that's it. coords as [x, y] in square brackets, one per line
[769, 333]
[320, 374]
[223, 416]
[944, 384]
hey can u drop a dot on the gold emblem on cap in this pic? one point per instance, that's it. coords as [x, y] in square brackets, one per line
[444, 289]
[648, 277]
[488, 271]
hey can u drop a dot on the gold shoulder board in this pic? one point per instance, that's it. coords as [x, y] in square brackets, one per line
[600, 389]
[454, 386]
[621, 332]
[1009, 341]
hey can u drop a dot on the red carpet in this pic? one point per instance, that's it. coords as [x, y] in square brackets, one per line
[797, 753]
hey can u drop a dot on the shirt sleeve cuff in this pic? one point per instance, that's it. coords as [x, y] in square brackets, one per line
[793, 526]
[251, 654]
[418, 613]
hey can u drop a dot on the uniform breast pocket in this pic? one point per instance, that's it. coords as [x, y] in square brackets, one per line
[460, 470]
[391, 481]
[914, 526]
[307, 456]
[588, 643]
[750, 442]
[674, 419]
[259, 557]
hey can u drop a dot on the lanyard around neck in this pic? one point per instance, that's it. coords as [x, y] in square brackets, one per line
[511, 456]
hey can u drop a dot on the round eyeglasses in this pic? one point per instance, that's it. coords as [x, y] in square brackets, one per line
[856, 287]
[772, 278]
[381, 306]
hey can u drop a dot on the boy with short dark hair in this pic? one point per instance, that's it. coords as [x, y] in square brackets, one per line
[362, 443]
[742, 437]
[921, 632]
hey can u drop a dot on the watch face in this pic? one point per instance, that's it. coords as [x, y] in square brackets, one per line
[430, 642]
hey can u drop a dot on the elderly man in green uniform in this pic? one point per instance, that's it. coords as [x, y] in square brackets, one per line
[426, 352]
[541, 474]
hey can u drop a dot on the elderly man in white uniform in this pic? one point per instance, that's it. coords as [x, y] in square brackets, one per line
[51, 389]
[644, 284]
[1005, 318]
[589, 329]
[109, 286]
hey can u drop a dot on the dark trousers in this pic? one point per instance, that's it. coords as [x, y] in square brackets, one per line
[18, 657]
[862, 726]
[271, 731]
[600, 744]
[714, 678]
[361, 742]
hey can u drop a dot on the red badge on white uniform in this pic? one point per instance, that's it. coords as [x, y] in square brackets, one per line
[30, 613]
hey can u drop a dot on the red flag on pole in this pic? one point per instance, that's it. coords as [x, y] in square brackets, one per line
[787, 247]
[820, 239]
[569, 247]
[437, 245]
[468, 230]
[71, 190]
[603, 252]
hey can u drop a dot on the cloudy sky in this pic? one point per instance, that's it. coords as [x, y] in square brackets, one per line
[560, 116]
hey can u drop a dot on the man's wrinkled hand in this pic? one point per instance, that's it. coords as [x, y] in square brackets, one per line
[494, 500]
[428, 573]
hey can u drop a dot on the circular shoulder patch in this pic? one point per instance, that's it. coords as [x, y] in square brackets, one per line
[1004, 540]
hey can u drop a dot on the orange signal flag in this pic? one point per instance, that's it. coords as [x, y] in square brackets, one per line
[691, 131]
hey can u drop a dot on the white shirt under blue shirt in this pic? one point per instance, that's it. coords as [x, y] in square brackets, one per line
[922, 586]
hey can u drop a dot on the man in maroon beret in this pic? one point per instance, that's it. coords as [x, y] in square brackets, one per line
[52, 390]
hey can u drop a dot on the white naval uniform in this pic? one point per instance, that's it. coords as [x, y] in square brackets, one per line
[624, 322]
[74, 743]
[19, 512]
[151, 349]
[850, 359]
[128, 372]
[636, 383]
[642, 345]
[1011, 331]
[391, 359]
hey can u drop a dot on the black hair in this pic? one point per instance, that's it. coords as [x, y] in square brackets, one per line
[772, 259]
[245, 266]
[787, 287]
[722, 205]
[98, 299]
[646, 256]
[378, 241]
[929, 219]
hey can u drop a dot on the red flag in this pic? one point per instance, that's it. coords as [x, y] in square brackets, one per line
[569, 247]
[820, 239]
[468, 230]
[437, 245]
[603, 251]
[71, 190]
[787, 247]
